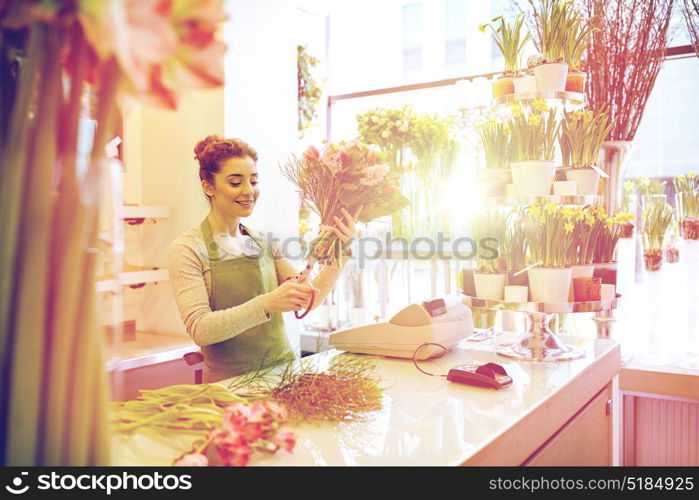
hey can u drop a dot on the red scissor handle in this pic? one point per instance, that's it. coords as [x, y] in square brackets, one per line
[308, 309]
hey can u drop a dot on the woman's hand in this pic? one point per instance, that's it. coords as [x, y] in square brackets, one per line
[344, 230]
[289, 296]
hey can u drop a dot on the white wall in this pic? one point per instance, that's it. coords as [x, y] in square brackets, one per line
[260, 106]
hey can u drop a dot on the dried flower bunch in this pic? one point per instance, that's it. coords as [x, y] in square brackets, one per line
[625, 54]
[346, 176]
[343, 391]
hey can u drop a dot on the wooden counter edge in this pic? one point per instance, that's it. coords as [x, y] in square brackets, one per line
[658, 381]
[515, 445]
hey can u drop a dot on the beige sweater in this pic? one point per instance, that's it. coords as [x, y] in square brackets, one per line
[190, 276]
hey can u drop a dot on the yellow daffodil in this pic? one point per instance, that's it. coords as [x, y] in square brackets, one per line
[623, 217]
[540, 105]
[516, 109]
[567, 212]
[576, 116]
[645, 181]
[550, 208]
[691, 175]
[534, 120]
[535, 210]
[568, 227]
[579, 214]
[589, 220]
[608, 222]
[629, 186]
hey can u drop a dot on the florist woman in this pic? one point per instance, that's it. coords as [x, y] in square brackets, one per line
[230, 287]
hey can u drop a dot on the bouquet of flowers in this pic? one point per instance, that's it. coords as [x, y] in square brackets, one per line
[497, 144]
[609, 236]
[346, 176]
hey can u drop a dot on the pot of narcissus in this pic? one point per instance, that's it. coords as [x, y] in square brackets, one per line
[550, 284]
[504, 85]
[533, 177]
[525, 83]
[575, 81]
[587, 179]
[551, 77]
[490, 284]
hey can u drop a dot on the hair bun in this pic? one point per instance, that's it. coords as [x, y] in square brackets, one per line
[202, 145]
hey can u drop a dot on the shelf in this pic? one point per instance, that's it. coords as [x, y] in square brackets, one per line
[135, 279]
[572, 97]
[540, 307]
[498, 201]
[136, 214]
[148, 349]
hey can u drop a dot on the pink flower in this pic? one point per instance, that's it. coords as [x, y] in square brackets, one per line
[232, 449]
[311, 155]
[192, 460]
[286, 440]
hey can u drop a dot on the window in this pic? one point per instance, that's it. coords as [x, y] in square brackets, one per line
[455, 24]
[412, 38]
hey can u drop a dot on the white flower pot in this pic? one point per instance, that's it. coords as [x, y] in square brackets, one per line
[551, 77]
[565, 188]
[587, 179]
[533, 178]
[580, 271]
[490, 286]
[525, 84]
[550, 284]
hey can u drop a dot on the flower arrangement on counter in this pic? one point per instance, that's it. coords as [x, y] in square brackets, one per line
[687, 203]
[578, 29]
[582, 135]
[509, 39]
[343, 176]
[657, 218]
[223, 429]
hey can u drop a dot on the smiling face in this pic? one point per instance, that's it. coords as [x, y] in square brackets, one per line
[235, 189]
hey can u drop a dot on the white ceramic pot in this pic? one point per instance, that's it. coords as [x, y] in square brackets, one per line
[587, 179]
[516, 293]
[565, 188]
[550, 284]
[551, 77]
[533, 178]
[580, 271]
[525, 84]
[490, 286]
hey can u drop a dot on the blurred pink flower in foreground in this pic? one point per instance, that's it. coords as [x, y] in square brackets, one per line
[163, 47]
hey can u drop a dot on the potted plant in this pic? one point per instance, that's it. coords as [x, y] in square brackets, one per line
[657, 219]
[509, 39]
[582, 135]
[534, 133]
[488, 230]
[548, 235]
[514, 249]
[552, 73]
[578, 36]
[610, 231]
[497, 151]
[687, 203]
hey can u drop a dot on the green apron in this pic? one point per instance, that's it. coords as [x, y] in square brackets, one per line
[234, 282]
